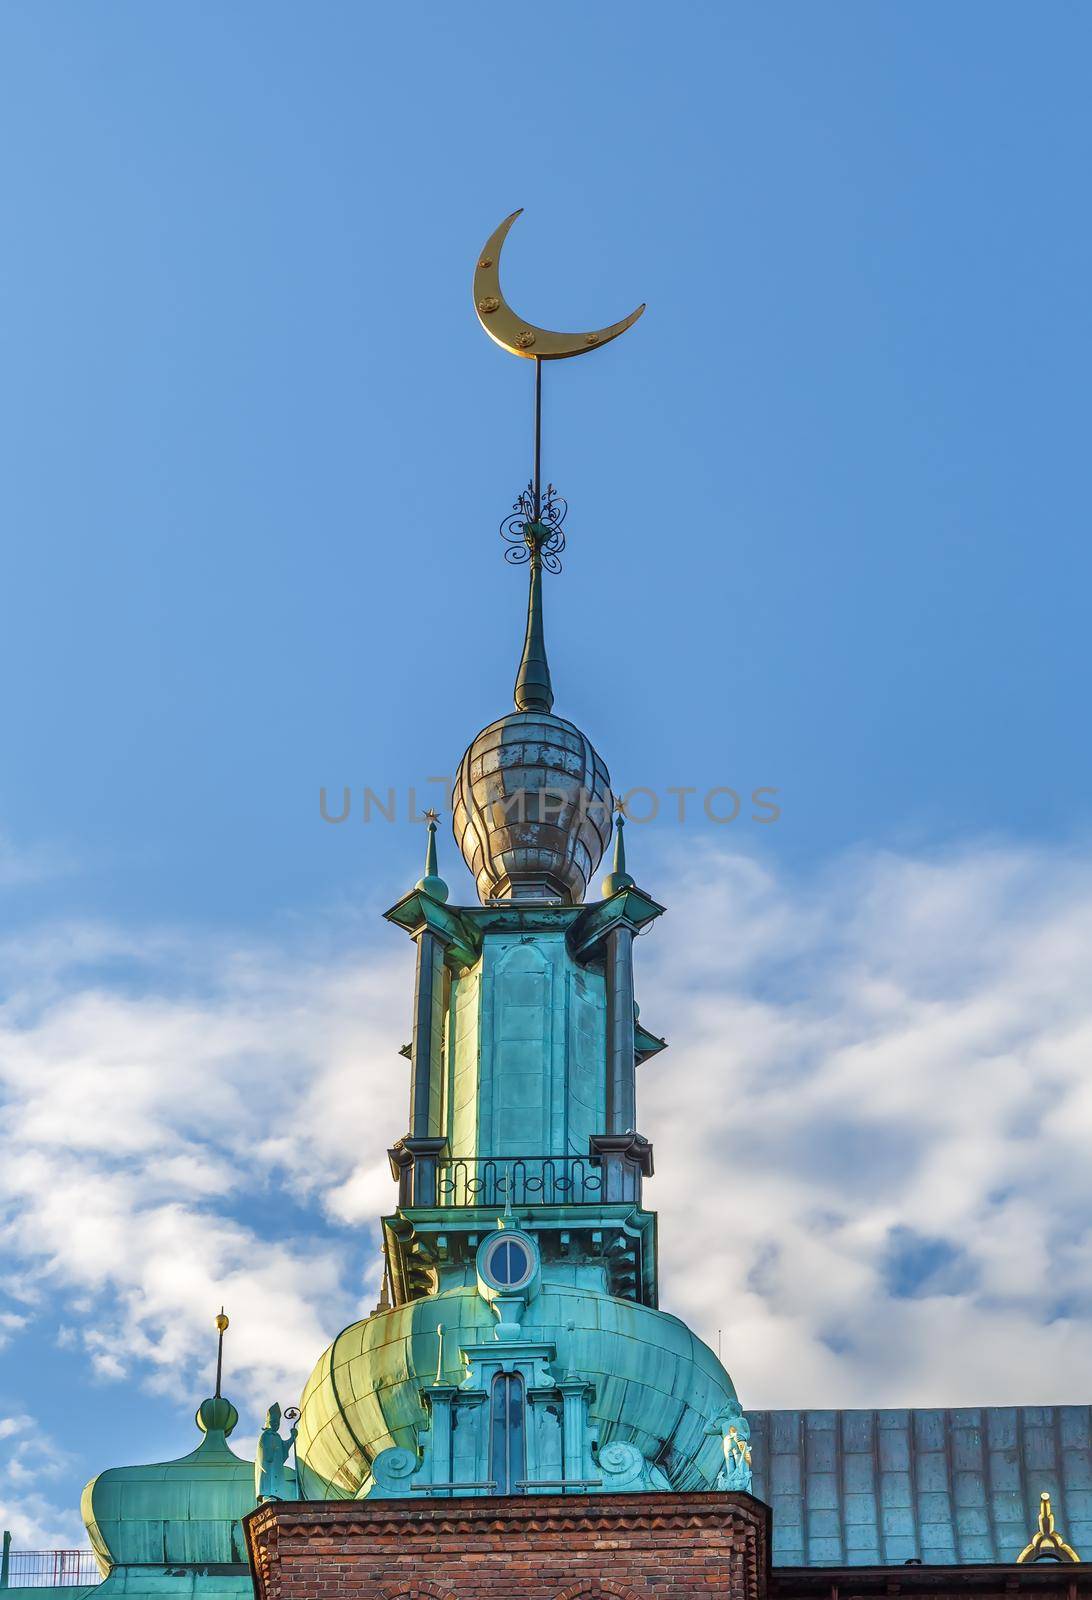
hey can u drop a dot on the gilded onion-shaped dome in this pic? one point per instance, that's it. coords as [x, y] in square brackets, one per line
[531, 808]
[653, 1384]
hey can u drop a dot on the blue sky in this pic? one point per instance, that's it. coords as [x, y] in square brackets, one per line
[828, 534]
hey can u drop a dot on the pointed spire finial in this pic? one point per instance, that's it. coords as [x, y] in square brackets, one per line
[216, 1417]
[432, 884]
[618, 878]
[533, 533]
[534, 691]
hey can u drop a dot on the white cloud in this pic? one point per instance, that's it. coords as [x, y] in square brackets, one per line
[10, 1323]
[31, 1457]
[171, 1132]
[872, 1126]
[11, 1426]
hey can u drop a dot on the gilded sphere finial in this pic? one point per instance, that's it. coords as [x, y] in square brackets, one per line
[222, 1322]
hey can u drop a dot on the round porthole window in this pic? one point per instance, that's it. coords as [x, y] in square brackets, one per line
[508, 1262]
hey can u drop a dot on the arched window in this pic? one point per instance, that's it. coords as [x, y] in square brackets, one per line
[507, 1445]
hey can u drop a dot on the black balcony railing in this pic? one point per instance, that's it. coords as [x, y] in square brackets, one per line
[46, 1569]
[521, 1180]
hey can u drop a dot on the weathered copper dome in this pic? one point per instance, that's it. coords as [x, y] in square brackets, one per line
[531, 809]
[653, 1383]
[182, 1513]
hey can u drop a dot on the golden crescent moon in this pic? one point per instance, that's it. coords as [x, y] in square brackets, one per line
[510, 331]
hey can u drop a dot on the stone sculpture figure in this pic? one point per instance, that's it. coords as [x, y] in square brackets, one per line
[735, 1434]
[270, 1457]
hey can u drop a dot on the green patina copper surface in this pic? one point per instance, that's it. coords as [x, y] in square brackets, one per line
[655, 1385]
[172, 1528]
[950, 1487]
[522, 1066]
[57, 1591]
[517, 1064]
[171, 1583]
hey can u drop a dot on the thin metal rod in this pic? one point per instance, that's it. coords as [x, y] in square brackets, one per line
[537, 481]
[220, 1359]
[560, 1483]
[437, 1488]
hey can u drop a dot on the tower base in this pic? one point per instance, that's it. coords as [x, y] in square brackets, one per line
[536, 1547]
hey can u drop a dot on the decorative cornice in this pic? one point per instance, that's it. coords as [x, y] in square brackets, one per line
[630, 908]
[417, 912]
[304, 1520]
[646, 1044]
[631, 1146]
[283, 1532]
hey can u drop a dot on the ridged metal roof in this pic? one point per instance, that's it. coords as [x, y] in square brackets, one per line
[873, 1488]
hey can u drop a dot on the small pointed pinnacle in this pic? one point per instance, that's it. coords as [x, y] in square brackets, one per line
[618, 878]
[384, 1301]
[432, 884]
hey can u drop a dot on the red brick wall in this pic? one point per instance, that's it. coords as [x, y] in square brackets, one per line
[536, 1547]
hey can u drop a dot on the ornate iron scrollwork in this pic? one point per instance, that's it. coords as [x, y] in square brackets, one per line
[523, 533]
